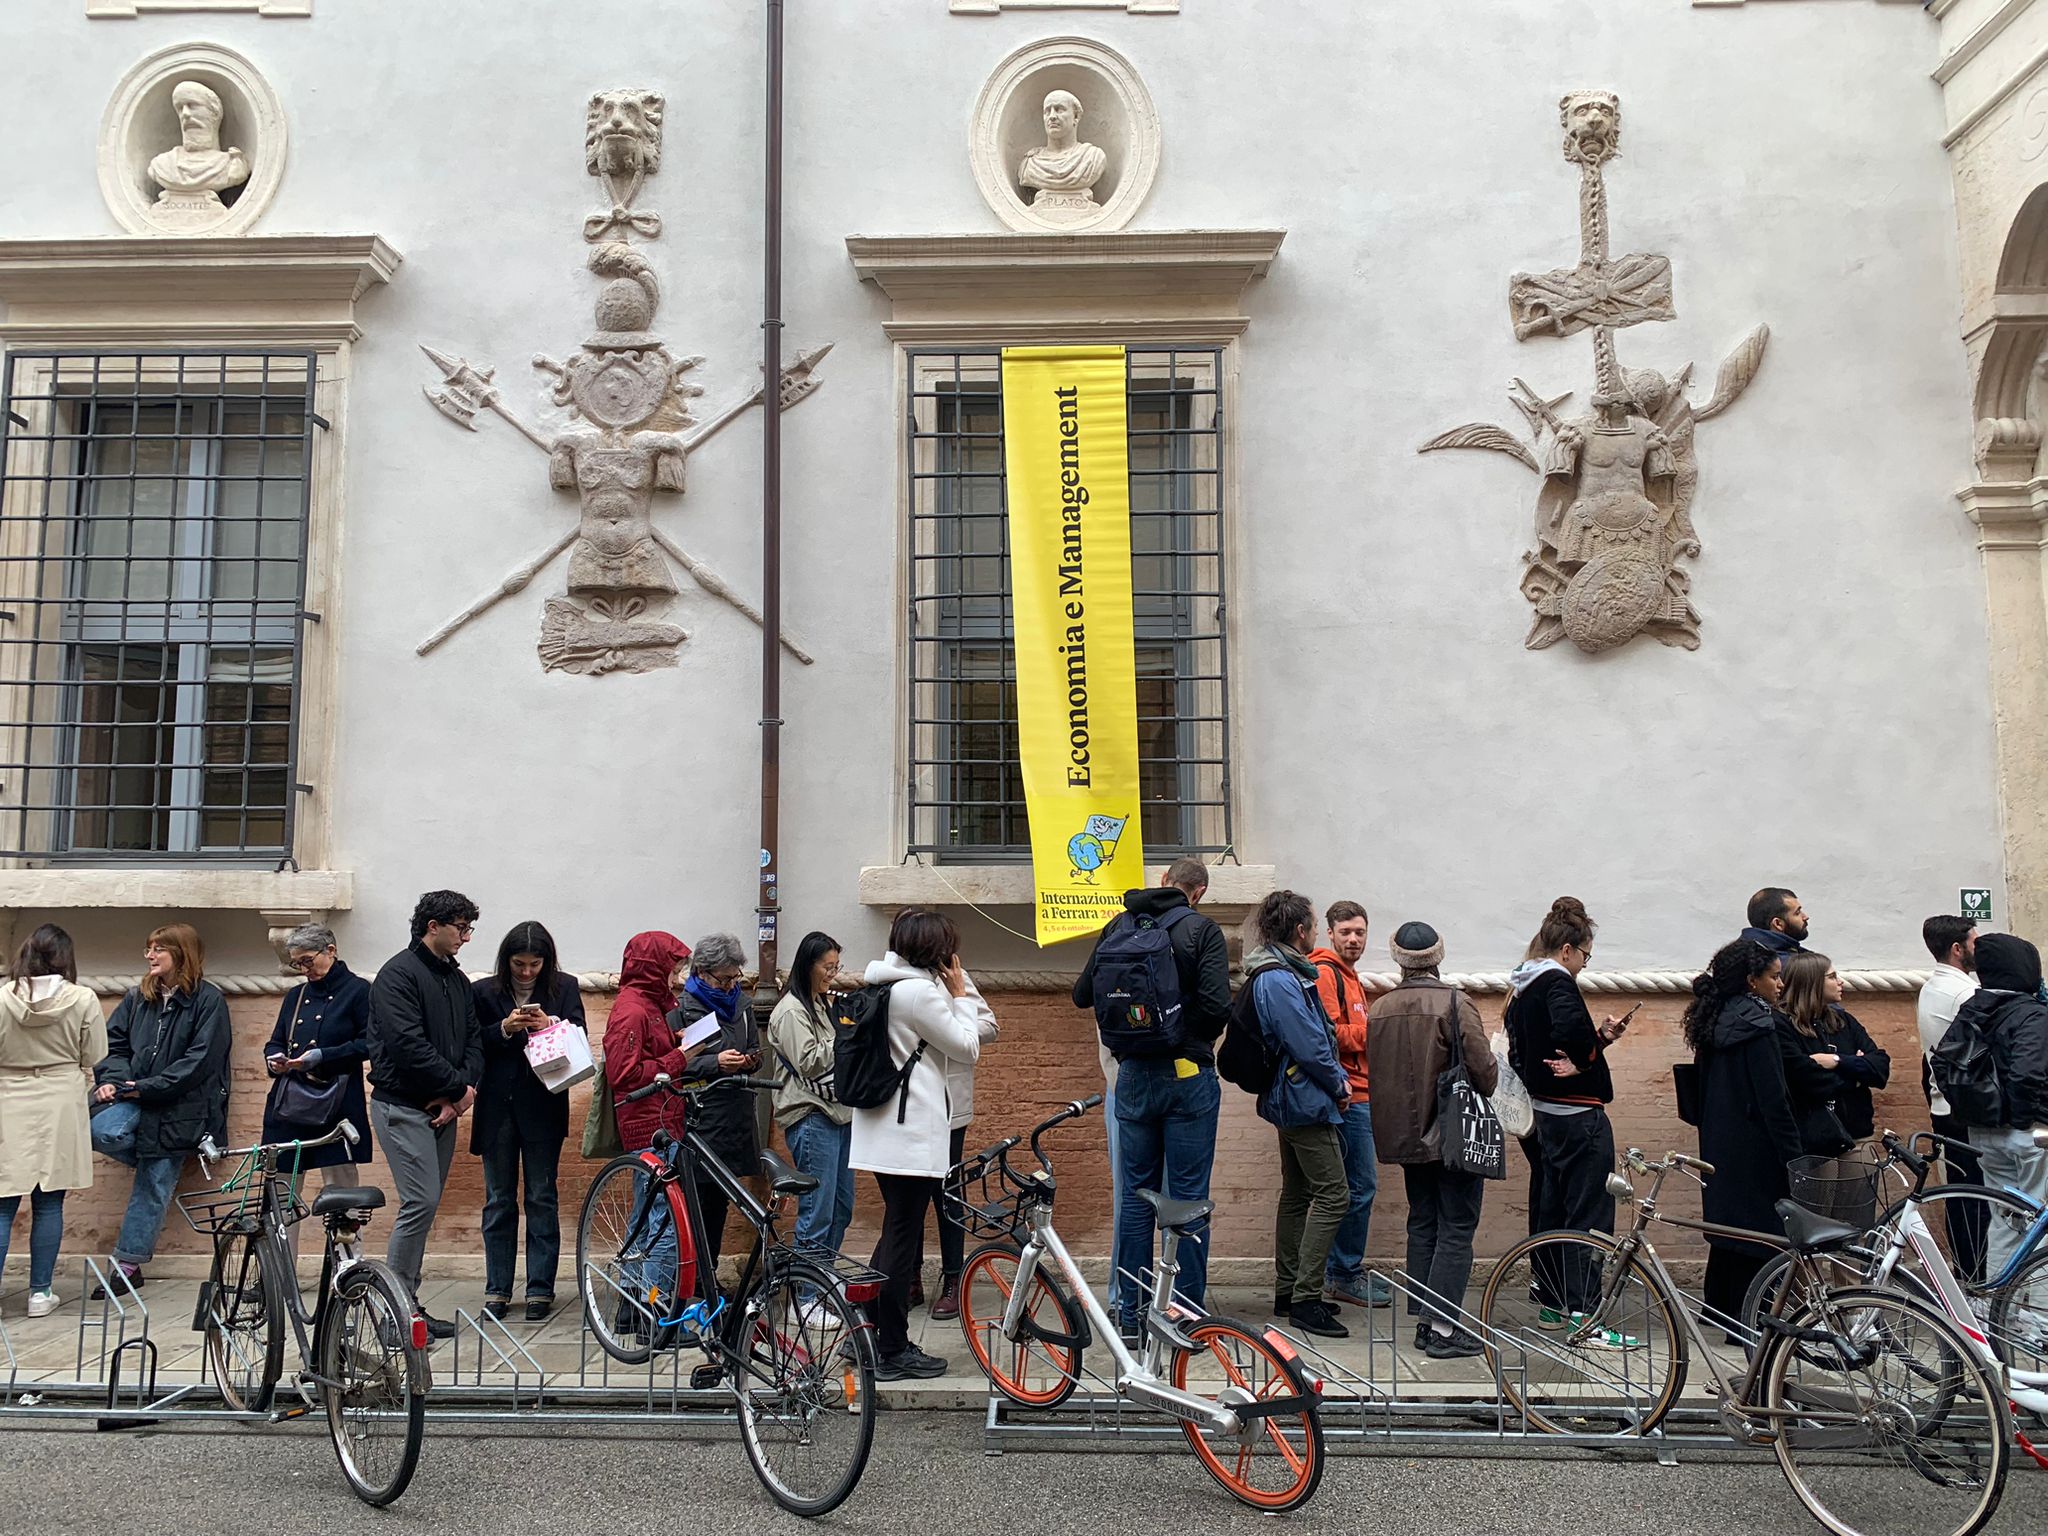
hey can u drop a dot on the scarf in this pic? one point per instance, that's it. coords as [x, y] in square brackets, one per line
[726, 1004]
[1280, 954]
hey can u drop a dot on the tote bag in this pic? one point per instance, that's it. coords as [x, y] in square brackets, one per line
[1469, 1132]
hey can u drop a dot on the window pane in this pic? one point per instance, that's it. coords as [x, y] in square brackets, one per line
[131, 497]
[258, 503]
[127, 705]
[247, 747]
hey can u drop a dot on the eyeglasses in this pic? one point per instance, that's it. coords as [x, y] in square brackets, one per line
[155, 949]
[302, 962]
[465, 929]
[724, 979]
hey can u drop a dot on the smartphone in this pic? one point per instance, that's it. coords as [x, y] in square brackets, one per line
[1622, 1022]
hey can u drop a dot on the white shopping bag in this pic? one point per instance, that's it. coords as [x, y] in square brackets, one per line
[560, 1055]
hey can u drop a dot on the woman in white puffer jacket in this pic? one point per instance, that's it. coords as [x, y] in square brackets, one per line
[907, 1143]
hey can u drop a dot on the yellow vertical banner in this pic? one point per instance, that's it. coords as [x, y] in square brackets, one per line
[1066, 456]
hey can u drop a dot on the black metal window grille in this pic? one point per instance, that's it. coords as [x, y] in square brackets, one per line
[153, 522]
[966, 790]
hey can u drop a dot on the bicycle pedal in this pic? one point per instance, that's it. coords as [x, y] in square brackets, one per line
[704, 1378]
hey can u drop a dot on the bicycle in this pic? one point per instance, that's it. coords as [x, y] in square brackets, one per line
[1842, 1382]
[1250, 1412]
[790, 1343]
[363, 1346]
[2005, 1317]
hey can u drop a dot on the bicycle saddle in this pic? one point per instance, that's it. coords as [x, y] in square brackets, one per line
[329, 1201]
[785, 1180]
[1810, 1233]
[1176, 1215]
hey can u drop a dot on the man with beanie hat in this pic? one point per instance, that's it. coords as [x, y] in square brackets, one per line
[2007, 1011]
[1408, 1050]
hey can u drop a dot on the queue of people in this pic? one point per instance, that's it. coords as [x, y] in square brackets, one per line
[1782, 1070]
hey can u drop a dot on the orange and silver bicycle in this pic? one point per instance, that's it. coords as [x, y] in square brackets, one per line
[1250, 1411]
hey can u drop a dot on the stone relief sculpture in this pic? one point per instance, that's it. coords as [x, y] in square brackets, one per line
[1065, 169]
[1614, 507]
[627, 436]
[195, 172]
[622, 148]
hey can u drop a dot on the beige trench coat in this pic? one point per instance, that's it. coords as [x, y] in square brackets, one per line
[48, 1048]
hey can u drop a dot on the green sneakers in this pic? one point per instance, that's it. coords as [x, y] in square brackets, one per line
[1554, 1320]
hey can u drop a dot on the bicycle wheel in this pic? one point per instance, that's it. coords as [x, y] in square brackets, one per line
[2019, 1321]
[1581, 1342]
[244, 1325]
[806, 1388]
[1895, 1430]
[377, 1381]
[1035, 1371]
[1275, 1461]
[1962, 1217]
[626, 1278]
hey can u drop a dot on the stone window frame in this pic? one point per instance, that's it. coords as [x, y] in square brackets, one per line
[288, 292]
[128, 10]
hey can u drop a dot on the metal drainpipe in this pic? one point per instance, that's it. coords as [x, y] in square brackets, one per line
[767, 911]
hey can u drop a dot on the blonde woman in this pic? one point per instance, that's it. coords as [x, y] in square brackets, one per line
[52, 1030]
[1813, 1002]
[163, 1084]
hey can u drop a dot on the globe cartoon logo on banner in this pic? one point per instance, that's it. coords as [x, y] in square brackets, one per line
[1095, 845]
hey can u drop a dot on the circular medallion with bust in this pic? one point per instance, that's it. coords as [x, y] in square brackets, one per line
[194, 174]
[1064, 170]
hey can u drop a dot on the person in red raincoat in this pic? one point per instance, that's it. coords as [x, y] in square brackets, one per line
[638, 1042]
[638, 1046]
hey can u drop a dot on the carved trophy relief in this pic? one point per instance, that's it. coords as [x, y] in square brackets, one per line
[622, 148]
[625, 436]
[196, 170]
[1614, 505]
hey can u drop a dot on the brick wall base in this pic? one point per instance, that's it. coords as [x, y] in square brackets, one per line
[1045, 1058]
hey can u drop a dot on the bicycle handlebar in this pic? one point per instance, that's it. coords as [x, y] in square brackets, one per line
[1072, 1111]
[210, 1153]
[695, 1086]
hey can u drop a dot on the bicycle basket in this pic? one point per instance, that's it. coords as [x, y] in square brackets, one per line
[985, 1203]
[237, 1206]
[1843, 1189]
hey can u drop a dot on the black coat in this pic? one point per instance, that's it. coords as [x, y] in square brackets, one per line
[2016, 1026]
[424, 1039]
[1747, 1128]
[1549, 1018]
[331, 1015]
[175, 1050]
[729, 1119]
[510, 1089]
[1201, 959]
[1812, 1090]
[1864, 1067]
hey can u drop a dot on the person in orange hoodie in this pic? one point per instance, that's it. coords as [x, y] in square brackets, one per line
[1343, 996]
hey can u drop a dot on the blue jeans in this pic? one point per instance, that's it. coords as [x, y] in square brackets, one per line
[1362, 1173]
[821, 1148]
[1167, 1129]
[663, 1256]
[45, 1233]
[1114, 1136]
[156, 1180]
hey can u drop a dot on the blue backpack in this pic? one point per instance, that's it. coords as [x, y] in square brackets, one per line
[1137, 986]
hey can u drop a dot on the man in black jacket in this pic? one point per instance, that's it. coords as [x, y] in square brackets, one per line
[1161, 1111]
[426, 1059]
[2006, 1009]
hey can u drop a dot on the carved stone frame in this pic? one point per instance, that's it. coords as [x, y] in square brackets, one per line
[1103, 73]
[255, 123]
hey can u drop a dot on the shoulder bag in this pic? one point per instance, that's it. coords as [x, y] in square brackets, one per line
[1470, 1138]
[301, 1101]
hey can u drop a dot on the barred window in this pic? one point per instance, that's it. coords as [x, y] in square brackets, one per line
[966, 790]
[153, 517]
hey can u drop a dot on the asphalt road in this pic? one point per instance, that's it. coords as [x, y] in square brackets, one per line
[928, 1477]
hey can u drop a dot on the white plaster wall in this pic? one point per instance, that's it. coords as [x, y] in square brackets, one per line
[1395, 741]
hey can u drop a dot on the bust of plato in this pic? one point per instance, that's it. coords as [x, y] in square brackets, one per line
[1064, 170]
[194, 174]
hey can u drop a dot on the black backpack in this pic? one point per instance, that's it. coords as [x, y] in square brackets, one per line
[1967, 1074]
[1242, 1056]
[1138, 1004]
[864, 1075]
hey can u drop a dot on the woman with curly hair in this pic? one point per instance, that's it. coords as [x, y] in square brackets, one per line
[1747, 1127]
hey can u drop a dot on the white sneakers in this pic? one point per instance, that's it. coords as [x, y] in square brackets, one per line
[42, 1303]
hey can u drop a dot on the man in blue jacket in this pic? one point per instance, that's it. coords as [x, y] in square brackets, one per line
[1306, 1105]
[1778, 922]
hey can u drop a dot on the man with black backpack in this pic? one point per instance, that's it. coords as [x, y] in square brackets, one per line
[2006, 1099]
[1159, 985]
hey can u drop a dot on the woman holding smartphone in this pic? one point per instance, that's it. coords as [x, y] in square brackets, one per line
[519, 1124]
[1561, 1057]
